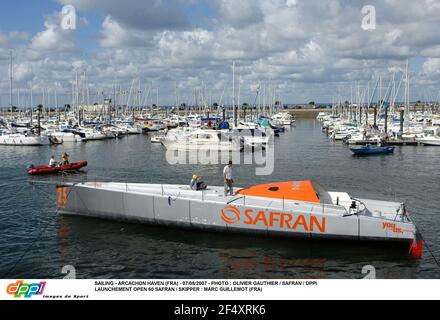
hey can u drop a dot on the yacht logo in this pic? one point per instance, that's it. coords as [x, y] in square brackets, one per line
[230, 215]
[26, 290]
[306, 223]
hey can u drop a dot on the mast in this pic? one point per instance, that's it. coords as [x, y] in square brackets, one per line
[77, 96]
[239, 93]
[407, 92]
[380, 91]
[233, 94]
[157, 96]
[139, 93]
[32, 102]
[151, 96]
[114, 94]
[11, 77]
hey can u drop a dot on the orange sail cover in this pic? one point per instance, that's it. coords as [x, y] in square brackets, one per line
[292, 190]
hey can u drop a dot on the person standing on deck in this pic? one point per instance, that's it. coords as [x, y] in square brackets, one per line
[229, 182]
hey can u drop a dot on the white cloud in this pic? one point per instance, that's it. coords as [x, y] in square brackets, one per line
[53, 38]
[305, 47]
[239, 13]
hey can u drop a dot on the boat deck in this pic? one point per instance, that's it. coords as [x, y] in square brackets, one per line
[381, 209]
[216, 195]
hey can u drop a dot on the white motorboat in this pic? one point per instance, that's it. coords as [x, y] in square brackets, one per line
[253, 138]
[343, 132]
[93, 135]
[322, 115]
[431, 137]
[178, 133]
[243, 125]
[154, 126]
[132, 130]
[213, 140]
[65, 136]
[433, 141]
[283, 119]
[158, 138]
[295, 209]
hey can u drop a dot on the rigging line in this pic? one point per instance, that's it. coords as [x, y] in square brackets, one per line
[234, 200]
[427, 246]
[32, 243]
[22, 188]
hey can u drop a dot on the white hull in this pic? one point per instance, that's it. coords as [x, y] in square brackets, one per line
[188, 146]
[133, 131]
[179, 206]
[96, 136]
[158, 138]
[21, 140]
[430, 142]
[66, 137]
[206, 140]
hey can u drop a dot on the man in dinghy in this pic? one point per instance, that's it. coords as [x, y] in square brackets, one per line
[52, 162]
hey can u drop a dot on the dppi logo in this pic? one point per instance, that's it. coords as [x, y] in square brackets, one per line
[231, 215]
[26, 290]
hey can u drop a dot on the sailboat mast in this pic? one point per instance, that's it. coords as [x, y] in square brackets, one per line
[77, 96]
[233, 93]
[11, 79]
[407, 91]
[239, 93]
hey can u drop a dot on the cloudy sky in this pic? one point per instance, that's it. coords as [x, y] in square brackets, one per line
[304, 50]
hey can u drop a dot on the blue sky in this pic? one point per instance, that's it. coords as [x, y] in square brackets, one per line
[297, 49]
[29, 16]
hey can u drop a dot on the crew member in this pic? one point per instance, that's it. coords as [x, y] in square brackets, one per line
[193, 183]
[229, 182]
[65, 158]
[197, 183]
[52, 162]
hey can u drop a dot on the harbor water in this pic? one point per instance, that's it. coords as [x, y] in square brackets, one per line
[37, 242]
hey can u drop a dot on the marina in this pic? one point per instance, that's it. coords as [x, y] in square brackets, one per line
[294, 207]
[298, 151]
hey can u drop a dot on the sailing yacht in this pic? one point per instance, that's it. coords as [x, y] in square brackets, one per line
[19, 139]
